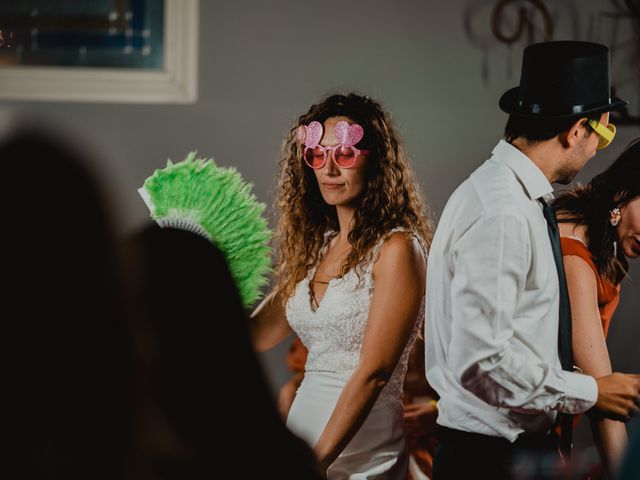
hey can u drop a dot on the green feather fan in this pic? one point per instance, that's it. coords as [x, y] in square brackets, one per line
[199, 196]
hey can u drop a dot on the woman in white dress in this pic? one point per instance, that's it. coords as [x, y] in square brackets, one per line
[353, 235]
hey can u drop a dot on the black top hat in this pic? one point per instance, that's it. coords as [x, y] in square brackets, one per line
[561, 80]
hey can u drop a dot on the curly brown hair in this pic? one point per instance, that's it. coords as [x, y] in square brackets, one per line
[391, 197]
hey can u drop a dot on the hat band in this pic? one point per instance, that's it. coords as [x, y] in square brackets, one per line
[536, 109]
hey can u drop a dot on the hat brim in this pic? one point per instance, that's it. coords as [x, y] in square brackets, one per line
[509, 104]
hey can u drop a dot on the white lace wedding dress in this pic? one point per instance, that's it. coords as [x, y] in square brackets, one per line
[333, 334]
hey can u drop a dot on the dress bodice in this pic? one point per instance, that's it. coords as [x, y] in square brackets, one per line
[334, 332]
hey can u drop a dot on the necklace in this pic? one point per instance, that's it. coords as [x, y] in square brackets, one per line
[312, 296]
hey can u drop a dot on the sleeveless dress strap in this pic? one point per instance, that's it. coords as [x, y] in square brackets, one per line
[375, 253]
[575, 247]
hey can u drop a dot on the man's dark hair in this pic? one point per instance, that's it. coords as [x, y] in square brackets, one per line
[537, 129]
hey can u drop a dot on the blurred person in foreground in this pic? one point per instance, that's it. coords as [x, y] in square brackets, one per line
[66, 390]
[200, 411]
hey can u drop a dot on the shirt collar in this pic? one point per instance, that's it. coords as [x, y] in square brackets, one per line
[530, 176]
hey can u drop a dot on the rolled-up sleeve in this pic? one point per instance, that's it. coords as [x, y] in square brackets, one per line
[491, 261]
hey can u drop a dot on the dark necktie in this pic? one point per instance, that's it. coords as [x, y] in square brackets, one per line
[564, 329]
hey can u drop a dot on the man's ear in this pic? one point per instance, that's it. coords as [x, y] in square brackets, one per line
[576, 132]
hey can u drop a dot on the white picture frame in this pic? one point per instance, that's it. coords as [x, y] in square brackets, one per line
[177, 82]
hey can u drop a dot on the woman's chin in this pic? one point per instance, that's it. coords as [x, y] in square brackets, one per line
[340, 199]
[333, 199]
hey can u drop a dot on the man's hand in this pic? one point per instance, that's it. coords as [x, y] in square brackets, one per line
[618, 396]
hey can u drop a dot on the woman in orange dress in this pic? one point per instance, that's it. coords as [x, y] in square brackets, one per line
[600, 229]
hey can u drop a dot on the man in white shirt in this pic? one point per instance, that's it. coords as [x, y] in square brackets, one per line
[494, 290]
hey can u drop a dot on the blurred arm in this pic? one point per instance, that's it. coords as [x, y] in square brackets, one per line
[268, 323]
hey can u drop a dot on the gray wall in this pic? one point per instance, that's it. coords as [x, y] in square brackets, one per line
[435, 65]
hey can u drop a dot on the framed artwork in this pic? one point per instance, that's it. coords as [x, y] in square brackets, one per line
[123, 51]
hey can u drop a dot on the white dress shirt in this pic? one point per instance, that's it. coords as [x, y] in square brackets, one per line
[492, 306]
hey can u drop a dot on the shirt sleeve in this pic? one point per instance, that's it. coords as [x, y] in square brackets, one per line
[490, 359]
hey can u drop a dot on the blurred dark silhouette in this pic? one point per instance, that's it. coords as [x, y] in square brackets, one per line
[63, 355]
[202, 410]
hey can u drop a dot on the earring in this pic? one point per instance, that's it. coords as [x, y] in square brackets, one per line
[615, 249]
[614, 217]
